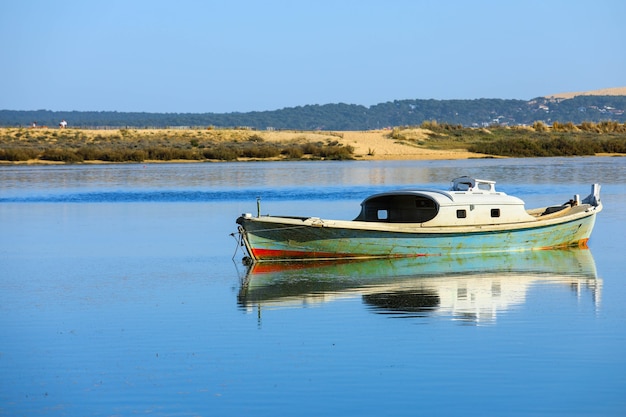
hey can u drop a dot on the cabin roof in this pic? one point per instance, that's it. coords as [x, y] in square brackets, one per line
[452, 198]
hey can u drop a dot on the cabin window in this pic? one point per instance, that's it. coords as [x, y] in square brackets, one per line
[495, 212]
[399, 208]
[461, 214]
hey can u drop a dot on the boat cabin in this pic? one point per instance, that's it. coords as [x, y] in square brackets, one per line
[468, 202]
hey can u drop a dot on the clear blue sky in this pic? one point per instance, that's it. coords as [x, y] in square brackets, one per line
[242, 55]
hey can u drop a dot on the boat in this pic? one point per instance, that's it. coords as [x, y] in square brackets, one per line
[470, 217]
[472, 288]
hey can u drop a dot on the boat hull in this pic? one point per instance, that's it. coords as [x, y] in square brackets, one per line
[269, 238]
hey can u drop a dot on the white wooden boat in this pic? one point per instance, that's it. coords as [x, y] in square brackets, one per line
[470, 217]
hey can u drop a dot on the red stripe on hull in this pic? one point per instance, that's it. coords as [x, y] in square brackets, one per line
[277, 255]
[274, 254]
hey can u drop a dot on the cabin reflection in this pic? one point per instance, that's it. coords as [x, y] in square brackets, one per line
[471, 289]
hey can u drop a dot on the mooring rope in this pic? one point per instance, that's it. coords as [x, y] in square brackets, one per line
[238, 241]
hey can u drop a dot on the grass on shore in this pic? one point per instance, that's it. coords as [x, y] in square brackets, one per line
[130, 145]
[536, 141]
[139, 145]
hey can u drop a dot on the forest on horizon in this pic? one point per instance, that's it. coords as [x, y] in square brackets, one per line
[467, 113]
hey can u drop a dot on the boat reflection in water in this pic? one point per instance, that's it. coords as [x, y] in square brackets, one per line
[471, 288]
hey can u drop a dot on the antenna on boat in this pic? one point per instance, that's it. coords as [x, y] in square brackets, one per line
[258, 206]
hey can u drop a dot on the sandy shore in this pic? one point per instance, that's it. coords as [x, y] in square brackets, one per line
[371, 145]
[375, 145]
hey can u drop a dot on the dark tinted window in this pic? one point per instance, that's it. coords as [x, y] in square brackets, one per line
[399, 209]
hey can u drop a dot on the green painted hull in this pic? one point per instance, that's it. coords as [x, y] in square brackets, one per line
[282, 239]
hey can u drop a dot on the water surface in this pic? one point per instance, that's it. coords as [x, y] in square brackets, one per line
[122, 293]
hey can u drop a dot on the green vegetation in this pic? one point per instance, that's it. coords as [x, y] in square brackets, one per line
[125, 145]
[129, 145]
[540, 140]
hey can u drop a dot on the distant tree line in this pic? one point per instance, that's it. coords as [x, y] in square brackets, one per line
[478, 113]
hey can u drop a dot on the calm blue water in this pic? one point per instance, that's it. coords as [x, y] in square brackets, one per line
[122, 293]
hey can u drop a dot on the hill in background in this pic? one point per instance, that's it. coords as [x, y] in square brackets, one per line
[601, 105]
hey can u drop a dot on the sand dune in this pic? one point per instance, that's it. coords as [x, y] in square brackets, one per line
[617, 91]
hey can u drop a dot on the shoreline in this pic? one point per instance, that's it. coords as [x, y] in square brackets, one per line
[451, 156]
[373, 145]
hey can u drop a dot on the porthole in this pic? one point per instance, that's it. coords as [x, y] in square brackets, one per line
[495, 212]
[461, 214]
